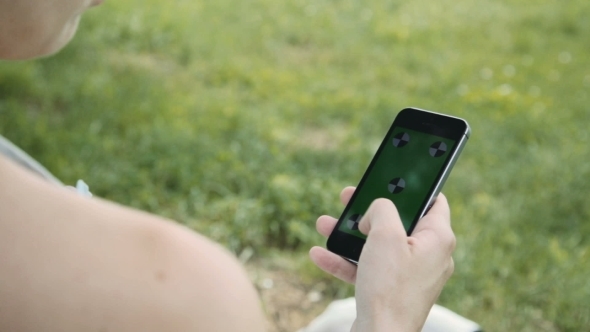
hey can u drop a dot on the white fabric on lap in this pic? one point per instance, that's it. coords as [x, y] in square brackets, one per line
[340, 314]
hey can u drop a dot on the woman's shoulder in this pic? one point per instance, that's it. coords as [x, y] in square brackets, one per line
[141, 270]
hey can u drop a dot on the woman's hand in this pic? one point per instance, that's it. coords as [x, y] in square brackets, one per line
[398, 278]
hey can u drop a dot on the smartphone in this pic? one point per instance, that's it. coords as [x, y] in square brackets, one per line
[410, 168]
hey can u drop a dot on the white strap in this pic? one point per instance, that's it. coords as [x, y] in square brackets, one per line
[19, 156]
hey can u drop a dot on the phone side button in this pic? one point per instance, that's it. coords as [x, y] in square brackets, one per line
[428, 208]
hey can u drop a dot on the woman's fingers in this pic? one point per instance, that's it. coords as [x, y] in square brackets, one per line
[435, 227]
[333, 264]
[346, 194]
[326, 260]
[325, 225]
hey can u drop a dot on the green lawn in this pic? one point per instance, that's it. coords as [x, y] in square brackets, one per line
[244, 119]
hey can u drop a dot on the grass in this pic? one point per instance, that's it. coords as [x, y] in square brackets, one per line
[244, 120]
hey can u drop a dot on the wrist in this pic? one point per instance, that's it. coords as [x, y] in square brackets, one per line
[386, 321]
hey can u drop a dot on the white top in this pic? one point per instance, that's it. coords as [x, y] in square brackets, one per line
[17, 155]
[22, 158]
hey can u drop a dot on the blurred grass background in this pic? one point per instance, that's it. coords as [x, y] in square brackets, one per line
[244, 119]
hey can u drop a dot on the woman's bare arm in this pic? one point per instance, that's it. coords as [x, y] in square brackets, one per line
[69, 263]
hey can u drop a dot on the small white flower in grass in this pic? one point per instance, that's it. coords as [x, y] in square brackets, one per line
[509, 70]
[505, 89]
[462, 89]
[528, 60]
[539, 107]
[534, 91]
[311, 10]
[314, 296]
[245, 255]
[486, 73]
[366, 14]
[564, 57]
[406, 19]
[267, 283]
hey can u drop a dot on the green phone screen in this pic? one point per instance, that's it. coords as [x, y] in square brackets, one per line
[404, 171]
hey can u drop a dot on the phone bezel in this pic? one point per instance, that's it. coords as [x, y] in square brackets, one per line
[350, 246]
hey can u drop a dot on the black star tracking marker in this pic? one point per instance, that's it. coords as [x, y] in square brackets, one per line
[396, 185]
[437, 149]
[401, 139]
[353, 221]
